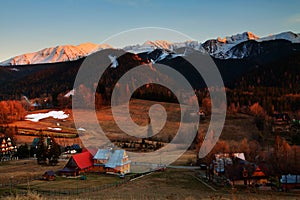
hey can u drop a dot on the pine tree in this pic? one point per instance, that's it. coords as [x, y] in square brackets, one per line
[53, 152]
[23, 151]
[41, 150]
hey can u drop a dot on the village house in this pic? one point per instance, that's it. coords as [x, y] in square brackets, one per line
[104, 161]
[259, 177]
[290, 181]
[280, 122]
[280, 118]
[224, 159]
[111, 160]
[100, 159]
[77, 164]
[238, 170]
[35, 142]
[49, 175]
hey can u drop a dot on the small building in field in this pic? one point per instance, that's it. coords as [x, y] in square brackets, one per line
[259, 177]
[224, 159]
[280, 118]
[35, 142]
[242, 172]
[77, 164]
[111, 160]
[290, 181]
[239, 171]
[49, 175]
[100, 159]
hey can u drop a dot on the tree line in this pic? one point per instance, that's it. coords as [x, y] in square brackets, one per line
[280, 158]
[11, 111]
[47, 150]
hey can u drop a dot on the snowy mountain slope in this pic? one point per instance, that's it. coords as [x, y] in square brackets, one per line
[69, 52]
[226, 48]
[149, 46]
[222, 48]
[55, 54]
[290, 36]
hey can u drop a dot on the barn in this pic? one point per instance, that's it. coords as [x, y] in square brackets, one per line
[79, 163]
[49, 175]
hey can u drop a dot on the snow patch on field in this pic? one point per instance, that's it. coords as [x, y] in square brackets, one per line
[54, 129]
[38, 116]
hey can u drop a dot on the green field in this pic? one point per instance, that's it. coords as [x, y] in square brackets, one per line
[169, 184]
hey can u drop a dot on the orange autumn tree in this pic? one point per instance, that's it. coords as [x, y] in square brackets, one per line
[257, 110]
[11, 111]
[260, 115]
[281, 158]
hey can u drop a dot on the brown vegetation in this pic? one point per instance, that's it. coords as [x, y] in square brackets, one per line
[11, 111]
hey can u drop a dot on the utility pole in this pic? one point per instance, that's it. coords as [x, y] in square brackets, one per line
[77, 185]
[28, 152]
[10, 183]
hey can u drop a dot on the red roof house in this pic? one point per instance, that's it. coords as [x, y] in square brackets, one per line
[258, 173]
[78, 163]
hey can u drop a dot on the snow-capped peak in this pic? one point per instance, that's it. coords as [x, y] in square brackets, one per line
[149, 46]
[238, 38]
[161, 44]
[91, 47]
[290, 36]
[251, 36]
[222, 47]
[218, 48]
[55, 54]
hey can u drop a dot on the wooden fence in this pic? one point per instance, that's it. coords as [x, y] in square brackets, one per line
[13, 185]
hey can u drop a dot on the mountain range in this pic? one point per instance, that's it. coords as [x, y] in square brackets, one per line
[231, 47]
[264, 70]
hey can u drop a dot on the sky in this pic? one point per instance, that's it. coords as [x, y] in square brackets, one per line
[28, 26]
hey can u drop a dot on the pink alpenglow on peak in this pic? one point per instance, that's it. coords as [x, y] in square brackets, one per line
[55, 54]
[238, 38]
[251, 36]
[219, 48]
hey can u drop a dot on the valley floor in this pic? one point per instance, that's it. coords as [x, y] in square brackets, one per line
[169, 184]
